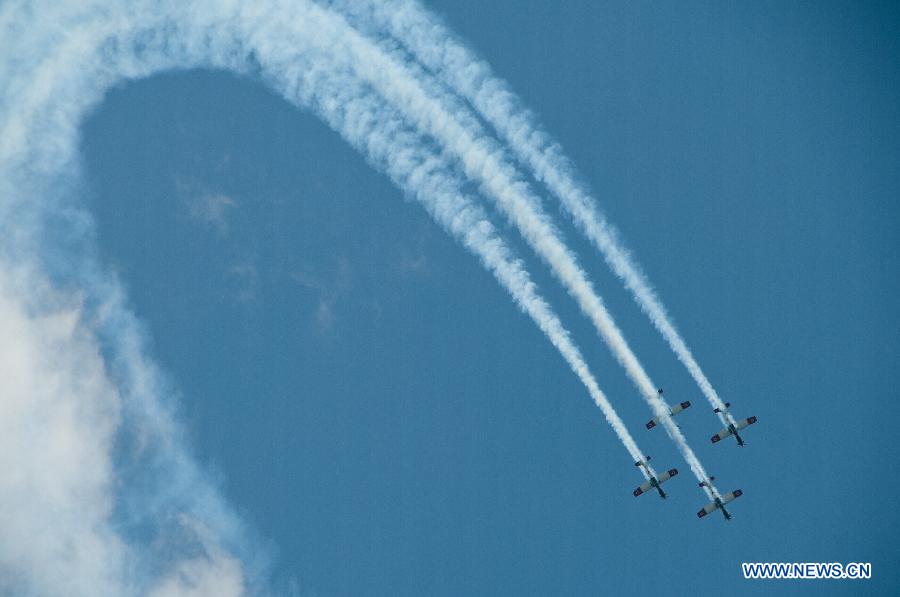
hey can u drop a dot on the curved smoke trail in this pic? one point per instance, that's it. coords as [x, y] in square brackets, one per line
[85, 420]
[439, 50]
[482, 160]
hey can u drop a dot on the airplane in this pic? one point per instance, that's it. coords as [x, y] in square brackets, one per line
[653, 482]
[732, 428]
[673, 410]
[719, 502]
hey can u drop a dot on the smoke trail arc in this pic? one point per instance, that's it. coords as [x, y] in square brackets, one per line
[56, 79]
[440, 51]
[482, 160]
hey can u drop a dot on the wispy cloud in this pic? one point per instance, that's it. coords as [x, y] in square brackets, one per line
[245, 275]
[205, 205]
[58, 415]
[212, 572]
[329, 284]
[413, 251]
[324, 314]
[415, 264]
[212, 210]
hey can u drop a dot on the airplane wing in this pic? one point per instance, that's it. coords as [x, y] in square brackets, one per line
[707, 509]
[667, 475]
[726, 432]
[730, 497]
[644, 487]
[647, 485]
[672, 412]
[745, 423]
[680, 407]
[712, 506]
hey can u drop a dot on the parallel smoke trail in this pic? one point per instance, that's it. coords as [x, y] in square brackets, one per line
[439, 50]
[482, 160]
[407, 160]
[59, 73]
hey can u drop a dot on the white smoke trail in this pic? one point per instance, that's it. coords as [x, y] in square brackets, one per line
[379, 133]
[438, 115]
[78, 379]
[439, 50]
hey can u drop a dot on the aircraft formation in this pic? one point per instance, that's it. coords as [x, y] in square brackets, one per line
[731, 430]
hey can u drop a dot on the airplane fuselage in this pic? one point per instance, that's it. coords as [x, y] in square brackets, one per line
[718, 502]
[737, 436]
[655, 484]
[721, 507]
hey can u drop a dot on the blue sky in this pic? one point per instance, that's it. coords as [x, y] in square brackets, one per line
[373, 404]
